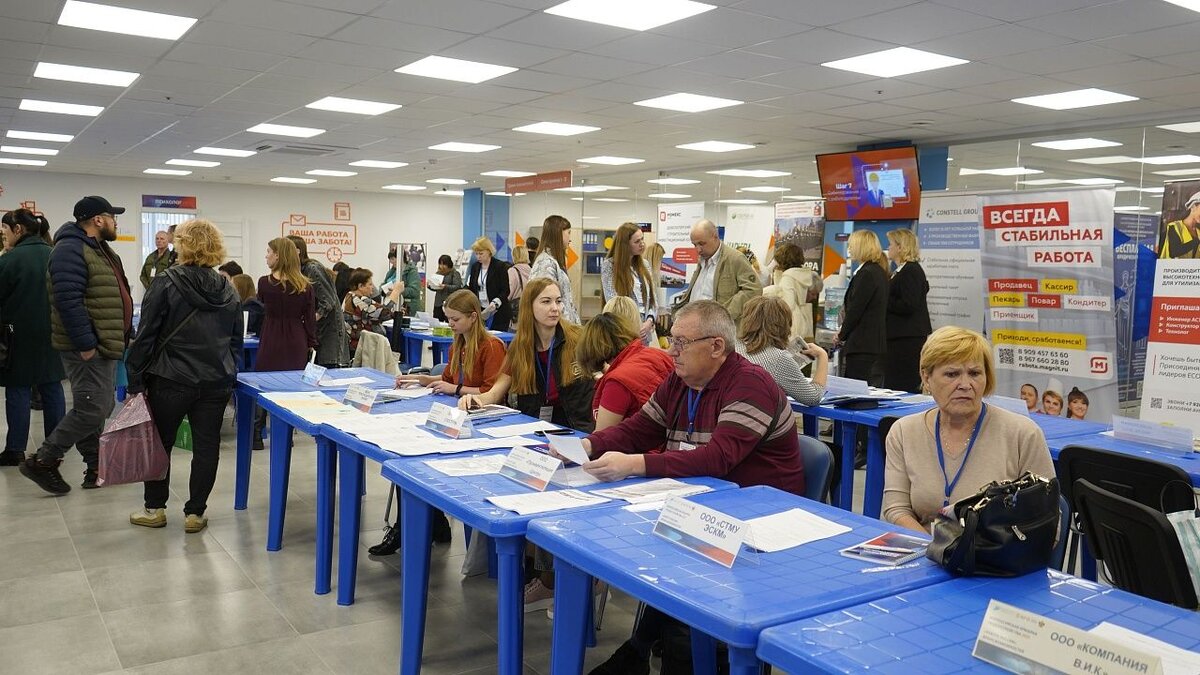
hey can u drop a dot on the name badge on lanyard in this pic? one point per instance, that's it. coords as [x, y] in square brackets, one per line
[546, 413]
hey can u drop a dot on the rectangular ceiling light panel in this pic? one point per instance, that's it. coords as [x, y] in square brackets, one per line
[58, 71]
[691, 103]
[137, 22]
[895, 62]
[631, 14]
[458, 70]
[1079, 98]
[352, 105]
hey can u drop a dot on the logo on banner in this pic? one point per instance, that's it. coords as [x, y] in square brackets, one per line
[1099, 365]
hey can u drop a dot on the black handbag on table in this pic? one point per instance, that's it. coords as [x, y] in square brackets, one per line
[1007, 529]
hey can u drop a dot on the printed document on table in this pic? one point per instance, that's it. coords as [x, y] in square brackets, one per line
[781, 531]
[408, 393]
[653, 491]
[570, 447]
[468, 466]
[344, 382]
[517, 429]
[540, 502]
[313, 406]
[1175, 661]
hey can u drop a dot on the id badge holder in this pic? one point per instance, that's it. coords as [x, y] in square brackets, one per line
[546, 413]
[686, 447]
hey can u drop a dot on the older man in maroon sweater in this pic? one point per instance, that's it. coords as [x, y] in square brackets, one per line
[717, 415]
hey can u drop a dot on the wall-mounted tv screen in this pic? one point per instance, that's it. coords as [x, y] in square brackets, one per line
[871, 184]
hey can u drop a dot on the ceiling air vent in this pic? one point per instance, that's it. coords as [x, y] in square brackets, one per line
[303, 149]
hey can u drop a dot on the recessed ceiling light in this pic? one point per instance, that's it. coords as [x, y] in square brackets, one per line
[1178, 172]
[1170, 159]
[378, 164]
[352, 105]
[583, 188]
[1187, 4]
[168, 172]
[224, 152]
[502, 173]
[741, 201]
[447, 181]
[285, 130]
[1111, 159]
[327, 172]
[1131, 208]
[449, 193]
[409, 188]
[814, 182]
[803, 197]
[751, 173]
[607, 159]
[715, 146]
[39, 136]
[1043, 181]
[505, 194]
[1080, 98]
[297, 181]
[576, 199]
[673, 181]
[556, 128]
[631, 14]
[1077, 144]
[609, 199]
[34, 105]
[125, 21]
[764, 188]
[22, 162]
[58, 71]
[667, 195]
[23, 150]
[457, 70]
[691, 103]
[455, 146]
[895, 62]
[1184, 127]
[1007, 171]
[192, 162]
[1094, 181]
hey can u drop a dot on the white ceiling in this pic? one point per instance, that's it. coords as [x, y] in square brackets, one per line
[252, 61]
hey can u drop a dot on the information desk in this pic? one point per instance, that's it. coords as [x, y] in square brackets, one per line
[1188, 461]
[932, 630]
[732, 605]
[465, 498]
[441, 345]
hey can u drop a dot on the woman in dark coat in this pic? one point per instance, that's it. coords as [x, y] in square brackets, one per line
[863, 336]
[25, 305]
[907, 313]
[333, 349]
[487, 278]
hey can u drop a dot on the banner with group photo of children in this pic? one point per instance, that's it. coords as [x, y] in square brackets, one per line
[1048, 285]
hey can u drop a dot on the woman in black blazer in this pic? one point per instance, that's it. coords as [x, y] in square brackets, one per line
[494, 297]
[907, 313]
[863, 337]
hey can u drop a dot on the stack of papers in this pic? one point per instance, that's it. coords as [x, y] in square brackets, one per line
[313, 406]
[521, 429]
[468, 466]
[541, 502]
[653, 491]
[781, 531]
[404, 434]
[344, 382]
[407, 393]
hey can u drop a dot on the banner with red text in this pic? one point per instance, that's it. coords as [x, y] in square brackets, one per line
[1048, 288]
[1170, 393]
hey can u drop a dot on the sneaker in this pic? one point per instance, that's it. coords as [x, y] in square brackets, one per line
[624, 661]
[89, 480]
[441, 528]
[537, 596]
[193, 523]
[149, 517]
[390, 543]
[46, 476]
[12, 458]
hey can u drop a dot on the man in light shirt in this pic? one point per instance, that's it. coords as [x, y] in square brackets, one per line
[724, 274]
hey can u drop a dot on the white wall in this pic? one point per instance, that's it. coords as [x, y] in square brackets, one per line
[381, 218]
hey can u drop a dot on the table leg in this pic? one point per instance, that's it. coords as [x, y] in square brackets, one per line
[281, 468]
[350, 473]
[412, 352]
[510, 607]
[326, 475]
[704, 653]
[873, 487]
[810, 425]
[571, 589]
[845, 494]
[414, 553]
[742, 661]
[244, 423]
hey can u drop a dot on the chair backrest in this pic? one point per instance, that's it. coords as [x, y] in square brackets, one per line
[1162, 487]
[1137, 543]
[818, 467]
[1064, 531]
[438, 369]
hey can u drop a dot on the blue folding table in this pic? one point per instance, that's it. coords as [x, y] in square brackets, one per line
[729, 604]
[933, 630]
[465, 498]
[441, 345]
[1188, 461]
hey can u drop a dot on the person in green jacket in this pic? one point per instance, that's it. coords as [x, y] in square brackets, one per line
[159, 259]
[414, 292]
[25, 306]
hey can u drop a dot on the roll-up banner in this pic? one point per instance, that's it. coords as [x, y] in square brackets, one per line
[948, 234]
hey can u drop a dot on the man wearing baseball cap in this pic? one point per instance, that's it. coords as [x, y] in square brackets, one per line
[91, 318]
[1182, 240]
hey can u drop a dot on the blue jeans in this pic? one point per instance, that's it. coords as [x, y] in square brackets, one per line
[16, 411]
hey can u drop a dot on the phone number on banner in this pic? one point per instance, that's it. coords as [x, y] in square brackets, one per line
[1070, 362]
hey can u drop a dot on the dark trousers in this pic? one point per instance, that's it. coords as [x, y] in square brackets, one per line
[16, 411]
[902, 370]
[93, 396]
[861, 366]
[204, 406]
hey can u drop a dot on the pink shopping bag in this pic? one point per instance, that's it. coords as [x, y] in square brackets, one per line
[131, 450]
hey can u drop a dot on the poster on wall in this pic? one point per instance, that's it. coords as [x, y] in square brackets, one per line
[1134, 257]
[1048, 263]
[675, 223]
[752, 227]
[332, 240]
[802, 224]
[1172, 367]
[948, 236]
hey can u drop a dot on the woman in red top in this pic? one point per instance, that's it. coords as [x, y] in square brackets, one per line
[476, 355]
[631, 371]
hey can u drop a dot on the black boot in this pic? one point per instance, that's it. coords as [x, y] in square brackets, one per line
[390, 543]
[441, 528]
[12, 457]
[260, 422]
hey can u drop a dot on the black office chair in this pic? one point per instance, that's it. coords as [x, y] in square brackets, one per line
[1162, 487]
[1137, 543]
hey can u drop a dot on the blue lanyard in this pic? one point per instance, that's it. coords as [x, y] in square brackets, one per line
[693, 406]
[937, 435]
[548, 373]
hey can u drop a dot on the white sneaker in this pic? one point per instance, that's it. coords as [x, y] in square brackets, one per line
[149, 517]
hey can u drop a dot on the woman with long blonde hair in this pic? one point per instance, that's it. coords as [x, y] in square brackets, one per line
[551, 262]
[863, 336]
[623, 273]
[476, 355]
